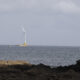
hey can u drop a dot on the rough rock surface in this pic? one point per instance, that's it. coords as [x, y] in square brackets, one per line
[21, 70]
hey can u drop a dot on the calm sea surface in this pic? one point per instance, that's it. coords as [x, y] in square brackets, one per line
[54, 56]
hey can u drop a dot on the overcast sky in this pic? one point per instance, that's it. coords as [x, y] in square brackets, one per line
[47, 22]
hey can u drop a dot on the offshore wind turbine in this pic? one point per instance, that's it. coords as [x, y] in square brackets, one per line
[24, 34]
[25, 43]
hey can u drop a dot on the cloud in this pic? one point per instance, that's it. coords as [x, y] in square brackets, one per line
[10, 5]
[65, 6]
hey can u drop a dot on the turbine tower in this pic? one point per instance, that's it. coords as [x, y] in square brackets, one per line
[25, 44]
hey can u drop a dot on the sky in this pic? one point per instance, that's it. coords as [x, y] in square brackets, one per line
[47, 22]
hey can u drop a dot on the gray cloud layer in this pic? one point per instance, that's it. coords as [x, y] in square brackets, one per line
[47, 22]
[70, 6]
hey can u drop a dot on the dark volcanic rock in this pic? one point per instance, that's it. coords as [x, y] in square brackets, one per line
[38, 72]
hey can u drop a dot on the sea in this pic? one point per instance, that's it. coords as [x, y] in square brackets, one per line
[48, 55]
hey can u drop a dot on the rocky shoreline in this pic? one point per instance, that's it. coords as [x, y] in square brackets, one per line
[22, 70]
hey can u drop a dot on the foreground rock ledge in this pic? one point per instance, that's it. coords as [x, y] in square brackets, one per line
[22, 70]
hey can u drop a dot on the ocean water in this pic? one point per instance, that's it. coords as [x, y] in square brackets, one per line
[48, 55]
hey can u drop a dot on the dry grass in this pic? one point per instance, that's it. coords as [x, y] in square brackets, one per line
[11, 62]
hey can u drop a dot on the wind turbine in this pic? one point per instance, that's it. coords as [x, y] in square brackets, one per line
[24, 31]
[24, 34]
